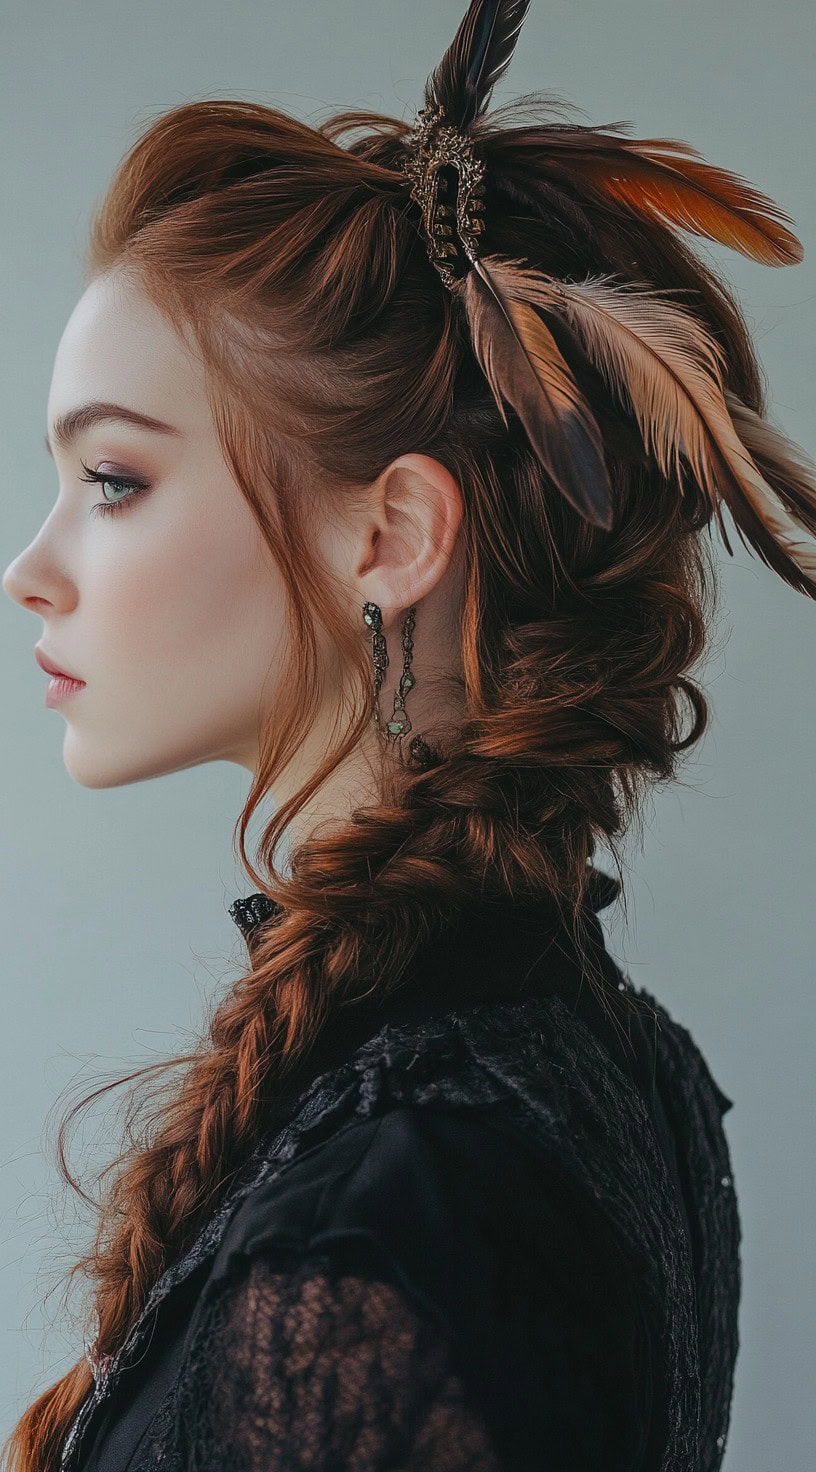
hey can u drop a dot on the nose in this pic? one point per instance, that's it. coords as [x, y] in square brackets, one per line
[12, 582]
[16, 585]
[33, 582]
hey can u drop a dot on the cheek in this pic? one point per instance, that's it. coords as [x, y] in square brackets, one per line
[192, 612]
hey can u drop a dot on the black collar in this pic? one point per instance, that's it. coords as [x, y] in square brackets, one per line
[499, 951]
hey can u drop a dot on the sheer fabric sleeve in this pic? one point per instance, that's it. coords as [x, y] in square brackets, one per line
[312, 1366]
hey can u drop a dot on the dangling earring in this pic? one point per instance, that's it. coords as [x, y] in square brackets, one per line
[399, 724]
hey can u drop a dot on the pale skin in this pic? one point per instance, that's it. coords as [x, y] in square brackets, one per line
[172, 609]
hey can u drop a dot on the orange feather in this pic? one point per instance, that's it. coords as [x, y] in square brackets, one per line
[680, 190]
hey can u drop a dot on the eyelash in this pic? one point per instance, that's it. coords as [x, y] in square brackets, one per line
[109, 508]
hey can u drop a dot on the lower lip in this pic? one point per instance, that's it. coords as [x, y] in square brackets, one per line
[61, 688]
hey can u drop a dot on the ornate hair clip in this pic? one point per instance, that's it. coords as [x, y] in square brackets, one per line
[448, 184]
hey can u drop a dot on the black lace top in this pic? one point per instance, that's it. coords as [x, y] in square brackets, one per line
[496, 1231]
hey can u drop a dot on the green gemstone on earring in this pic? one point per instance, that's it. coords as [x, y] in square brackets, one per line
[395, 726]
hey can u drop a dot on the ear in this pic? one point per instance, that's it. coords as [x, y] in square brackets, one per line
[410, 532]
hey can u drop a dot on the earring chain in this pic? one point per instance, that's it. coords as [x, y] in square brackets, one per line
[400, 723]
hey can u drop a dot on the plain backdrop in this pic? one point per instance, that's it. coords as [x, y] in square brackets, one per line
[116, 936]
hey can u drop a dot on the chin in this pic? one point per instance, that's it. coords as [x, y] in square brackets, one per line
[87, 775]
[96, 769]
[98, 764]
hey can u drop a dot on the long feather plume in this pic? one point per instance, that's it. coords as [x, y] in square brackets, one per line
[700, 197]
[477, 57]
[667, 180]
[668, 372]
[525, 367]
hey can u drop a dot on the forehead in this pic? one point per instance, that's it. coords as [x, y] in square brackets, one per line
[117, 346]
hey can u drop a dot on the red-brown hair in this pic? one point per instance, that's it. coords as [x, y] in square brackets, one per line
[294, 263]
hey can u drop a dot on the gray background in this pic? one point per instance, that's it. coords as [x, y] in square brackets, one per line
[115, 932]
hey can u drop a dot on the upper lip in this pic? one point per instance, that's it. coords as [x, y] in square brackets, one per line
[48, 665]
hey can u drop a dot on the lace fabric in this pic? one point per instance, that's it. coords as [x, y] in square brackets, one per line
[375, 1311]
[313, 1367]
[533, 1065]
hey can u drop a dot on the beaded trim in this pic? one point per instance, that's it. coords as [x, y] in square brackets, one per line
[251, 911]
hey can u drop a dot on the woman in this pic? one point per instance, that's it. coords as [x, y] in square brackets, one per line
[414, 439]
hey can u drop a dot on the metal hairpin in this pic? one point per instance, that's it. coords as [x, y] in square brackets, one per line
[448, 184]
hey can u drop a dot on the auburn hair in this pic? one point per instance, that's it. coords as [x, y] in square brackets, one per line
[291, 257]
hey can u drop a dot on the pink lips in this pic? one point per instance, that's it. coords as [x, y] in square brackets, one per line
[61, 685]
[53, 669]
[59, 689]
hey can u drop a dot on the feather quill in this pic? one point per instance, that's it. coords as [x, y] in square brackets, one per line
[668, 372]
[524, 366]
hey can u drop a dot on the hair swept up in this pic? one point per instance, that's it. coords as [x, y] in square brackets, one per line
[295, 261]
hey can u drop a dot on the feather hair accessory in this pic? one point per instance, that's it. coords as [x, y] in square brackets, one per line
[538, 338]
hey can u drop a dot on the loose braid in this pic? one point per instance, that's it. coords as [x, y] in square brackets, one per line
[296, 264]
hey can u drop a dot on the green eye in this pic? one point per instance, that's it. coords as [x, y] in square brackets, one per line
[131, 489]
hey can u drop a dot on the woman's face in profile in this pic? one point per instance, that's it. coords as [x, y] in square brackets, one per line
[169, 606]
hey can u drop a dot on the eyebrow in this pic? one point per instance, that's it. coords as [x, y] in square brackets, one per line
[67, 427]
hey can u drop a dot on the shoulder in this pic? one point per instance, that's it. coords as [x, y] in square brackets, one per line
[318, 1336]
[447, 1278]
[414, 1186]
[428, 1144]
[434, 1200]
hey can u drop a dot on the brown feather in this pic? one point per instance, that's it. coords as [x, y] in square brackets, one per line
[782, 462]
[697, 196]
[524, 366]
[668, 371]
